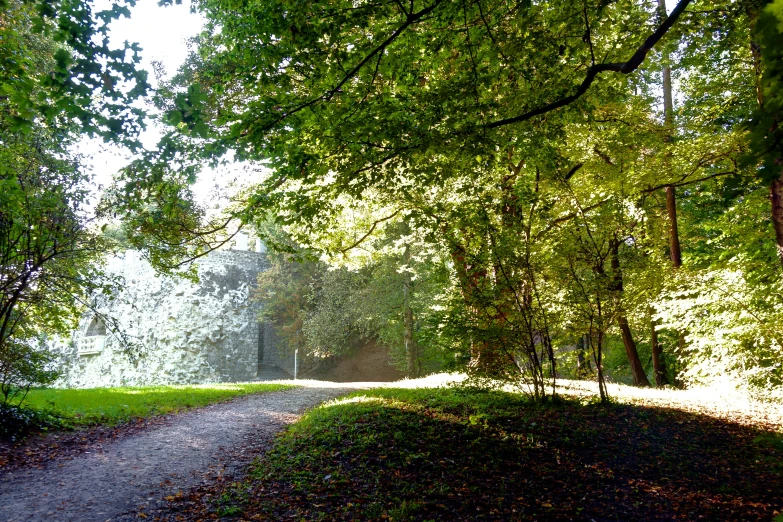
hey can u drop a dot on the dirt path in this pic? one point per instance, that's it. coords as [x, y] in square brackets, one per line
[136, 473]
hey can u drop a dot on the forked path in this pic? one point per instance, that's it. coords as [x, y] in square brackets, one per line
[137, 472]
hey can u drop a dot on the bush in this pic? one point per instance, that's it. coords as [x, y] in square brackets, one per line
[23, 365]
[17, 422]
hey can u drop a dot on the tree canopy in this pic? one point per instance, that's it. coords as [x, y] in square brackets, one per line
[591, 174]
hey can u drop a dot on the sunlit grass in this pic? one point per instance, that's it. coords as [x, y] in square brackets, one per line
[114, 405]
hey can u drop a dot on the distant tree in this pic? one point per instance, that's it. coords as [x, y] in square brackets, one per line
[332, 311]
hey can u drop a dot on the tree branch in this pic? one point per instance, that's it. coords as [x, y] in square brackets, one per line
[372, 229]
[624, 68]
[409, 20]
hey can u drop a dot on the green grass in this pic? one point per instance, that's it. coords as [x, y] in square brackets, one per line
[111, 406]
[451, 454]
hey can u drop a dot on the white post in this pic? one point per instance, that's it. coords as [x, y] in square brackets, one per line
[296, 352]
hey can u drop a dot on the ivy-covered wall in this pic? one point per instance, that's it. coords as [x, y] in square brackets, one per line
[185, 332]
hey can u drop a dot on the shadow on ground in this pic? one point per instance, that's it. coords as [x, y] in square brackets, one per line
[449, 455]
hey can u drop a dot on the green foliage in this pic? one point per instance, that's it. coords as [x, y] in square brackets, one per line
[23, 365]
[17, 422]
[59, 78]
[733, 324]
[468, 187]
[85, 82]
[48, 254]
[332, 311]
[765, 126]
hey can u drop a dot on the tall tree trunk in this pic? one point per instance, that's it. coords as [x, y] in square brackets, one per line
[637, 371]
[776, 199]
[674, 234]
[639, 377]
[675, 252]
[483, 355]
[671, 197]
[776, 188]
[659, 367]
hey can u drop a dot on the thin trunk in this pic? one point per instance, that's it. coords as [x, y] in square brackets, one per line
[776, 199]
[637, 371]
[596, 346]
[659, 367]
[411, 347]
[675, 252]
[674, 235]
[671, 197]
[776, 188]
[583, 368]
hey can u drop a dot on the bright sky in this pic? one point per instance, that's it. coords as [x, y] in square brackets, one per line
[162, 33]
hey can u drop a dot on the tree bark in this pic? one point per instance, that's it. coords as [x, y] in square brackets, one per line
[675, 252]
[674, 235]
[639, 377]
[583, 368]
[659, 367]
[776, 200]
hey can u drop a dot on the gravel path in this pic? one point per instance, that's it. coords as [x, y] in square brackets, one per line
[137, 472]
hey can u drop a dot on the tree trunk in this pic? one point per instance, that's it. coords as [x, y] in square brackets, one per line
[674, 235]
[659, 367]
[675, 252]
[411, 347]
[596, 339]
[583, 368]
[776, 199]
[639, 377]
[671, 197]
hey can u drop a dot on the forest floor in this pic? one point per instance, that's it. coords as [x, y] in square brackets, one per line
[457, 454]
[412, 451]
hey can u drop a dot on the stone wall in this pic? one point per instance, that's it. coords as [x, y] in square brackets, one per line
[188, 332]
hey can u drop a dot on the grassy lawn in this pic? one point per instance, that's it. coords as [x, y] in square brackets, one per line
[446, 454]
[110, 406]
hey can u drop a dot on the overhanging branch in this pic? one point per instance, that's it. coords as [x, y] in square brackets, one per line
[625, 68]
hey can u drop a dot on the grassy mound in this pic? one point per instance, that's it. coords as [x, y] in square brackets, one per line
[467, 455]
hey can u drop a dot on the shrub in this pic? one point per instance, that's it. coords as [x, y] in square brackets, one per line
[17, 422]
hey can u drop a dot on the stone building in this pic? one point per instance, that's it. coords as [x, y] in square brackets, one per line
[184, 332]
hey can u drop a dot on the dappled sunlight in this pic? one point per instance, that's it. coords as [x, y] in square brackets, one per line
[354, 400]
[720, 401]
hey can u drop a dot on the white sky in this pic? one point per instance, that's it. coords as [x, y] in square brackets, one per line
[162, 33]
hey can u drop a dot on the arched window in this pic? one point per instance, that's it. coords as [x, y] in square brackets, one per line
[94, 337]
[96, 327]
